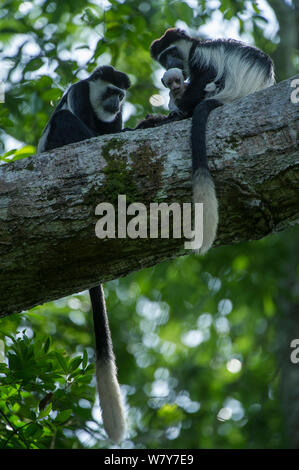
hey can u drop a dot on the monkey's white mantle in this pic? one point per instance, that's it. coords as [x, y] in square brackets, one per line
[48, 247]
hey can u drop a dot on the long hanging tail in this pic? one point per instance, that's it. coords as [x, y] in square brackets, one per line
[107, 383]
[203, 185]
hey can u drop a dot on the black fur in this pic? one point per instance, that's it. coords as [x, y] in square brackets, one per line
[200, 74]
[81, 122]
[110, 75]
[75, 119]
[103, 340]
[199, 121]
[170, 36]
[213, 69]
[74, 130]
[156, 120]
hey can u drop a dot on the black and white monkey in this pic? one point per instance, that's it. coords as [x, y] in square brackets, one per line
[219, 71]
[90, 108]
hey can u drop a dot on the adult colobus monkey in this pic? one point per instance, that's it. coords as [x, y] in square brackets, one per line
[218, 71]
[90, 108]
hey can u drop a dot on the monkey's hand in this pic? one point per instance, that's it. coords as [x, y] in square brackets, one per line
[179, 113]
[151, 120]
[155, 120]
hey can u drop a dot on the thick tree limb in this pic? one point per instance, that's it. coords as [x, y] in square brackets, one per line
[48, 246]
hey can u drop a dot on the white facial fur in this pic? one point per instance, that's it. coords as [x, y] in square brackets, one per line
[184, 48]
[96, 90]
[174, 80]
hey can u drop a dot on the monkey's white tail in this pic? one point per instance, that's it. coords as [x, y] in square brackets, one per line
[204, 192]
[203, 185]
[110, 400]
[107, 384]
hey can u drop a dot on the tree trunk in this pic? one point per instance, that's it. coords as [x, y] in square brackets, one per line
[48, 247]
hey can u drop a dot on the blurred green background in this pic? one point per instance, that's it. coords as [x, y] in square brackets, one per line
[202, 344]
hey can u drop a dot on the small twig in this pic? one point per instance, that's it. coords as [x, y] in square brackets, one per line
[15, 431]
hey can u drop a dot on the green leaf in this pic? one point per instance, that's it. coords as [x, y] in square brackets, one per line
[43, 82]
[45, 412]
[85, 359]
[33, 431]
[7, 334]
[75, 363]
[6, 122]
[3, 368]
[34, 64]
[52, 94]
[62, 361]
[24, 152]
[47, 344]
[76, 373]
[63, 416]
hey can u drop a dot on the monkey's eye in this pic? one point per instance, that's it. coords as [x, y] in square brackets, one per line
[114, 92]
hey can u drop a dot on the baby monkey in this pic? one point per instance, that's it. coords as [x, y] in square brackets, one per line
[174, 80]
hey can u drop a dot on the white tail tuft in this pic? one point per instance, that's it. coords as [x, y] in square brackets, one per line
[110, 400]
[204, 191]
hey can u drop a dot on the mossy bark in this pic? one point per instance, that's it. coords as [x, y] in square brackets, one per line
[48, 247]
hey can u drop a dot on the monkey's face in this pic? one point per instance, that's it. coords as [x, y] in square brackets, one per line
[174, 80]
[175, 85]
[106, 99]
[112, 100]
[171, 58]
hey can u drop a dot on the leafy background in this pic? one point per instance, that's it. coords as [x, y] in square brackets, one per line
[202, 344]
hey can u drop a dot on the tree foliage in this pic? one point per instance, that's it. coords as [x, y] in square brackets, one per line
[196, 339]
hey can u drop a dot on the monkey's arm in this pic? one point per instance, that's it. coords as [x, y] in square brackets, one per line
[191, 97]
[155, 120]
[195, 91]
[64, 128]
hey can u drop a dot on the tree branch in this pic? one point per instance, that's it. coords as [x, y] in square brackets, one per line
[48, 247]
